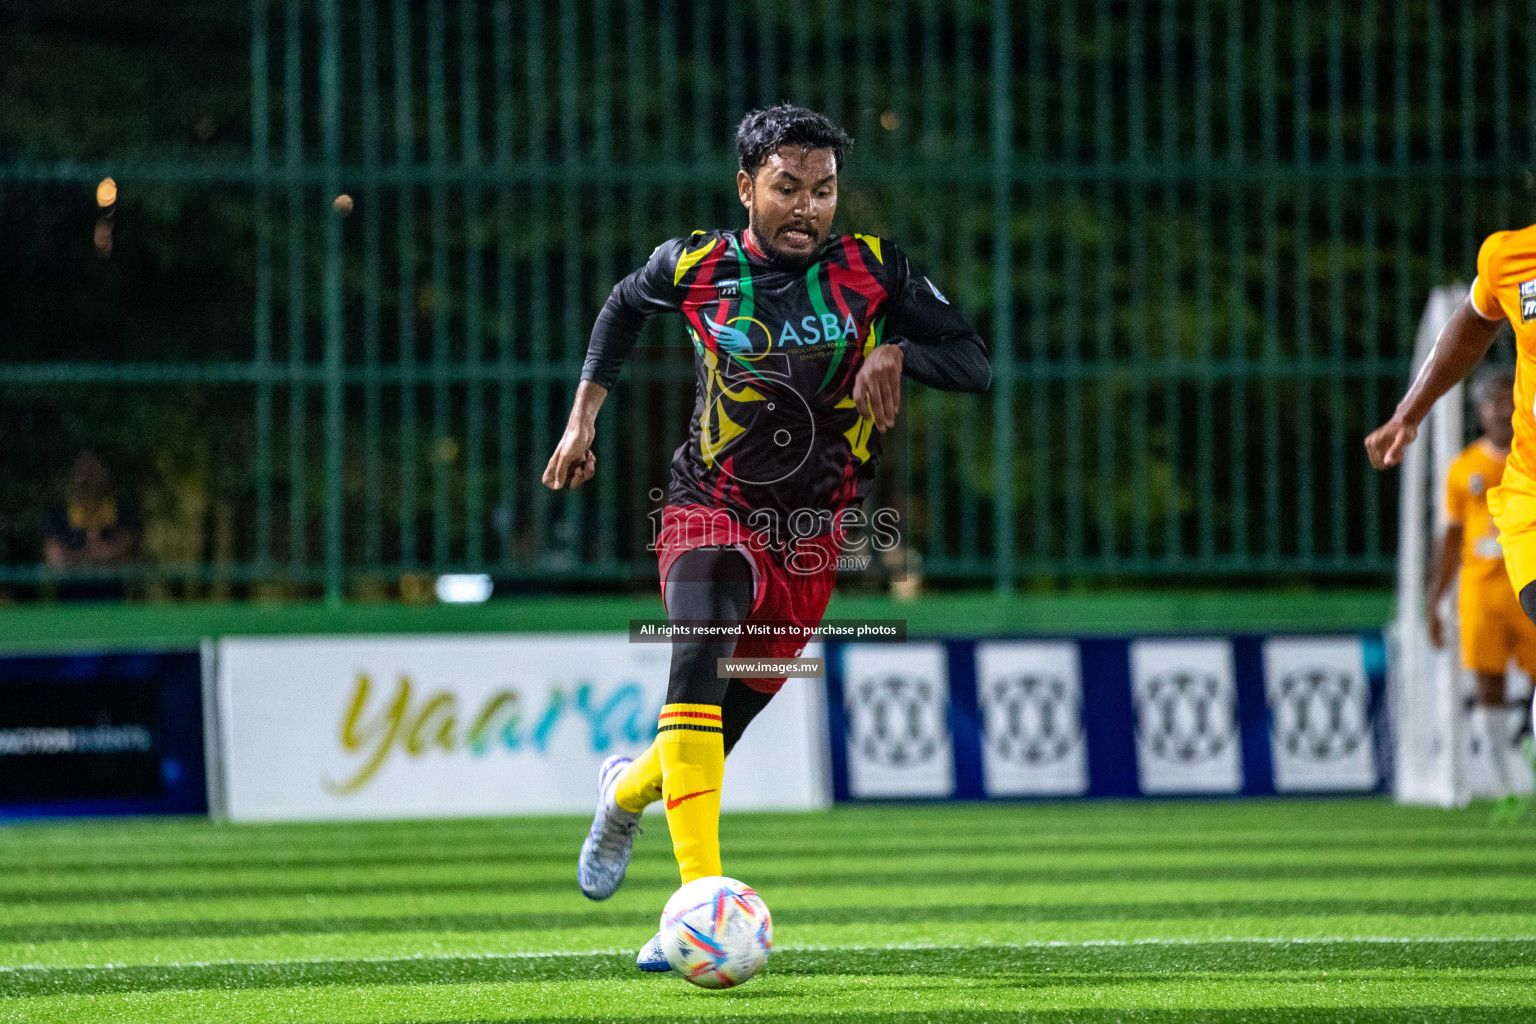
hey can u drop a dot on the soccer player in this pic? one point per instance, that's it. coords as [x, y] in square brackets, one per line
[1504, 289]
[1493, 628]
[801, 339]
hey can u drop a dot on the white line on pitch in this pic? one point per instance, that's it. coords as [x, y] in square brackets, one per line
[1236, 940]
[1157, 941]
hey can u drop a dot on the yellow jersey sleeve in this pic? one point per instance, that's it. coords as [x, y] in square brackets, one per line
[1484, 297]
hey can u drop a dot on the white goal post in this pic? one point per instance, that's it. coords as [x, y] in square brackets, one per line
[1424, 685]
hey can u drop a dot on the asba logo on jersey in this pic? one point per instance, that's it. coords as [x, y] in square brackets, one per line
[811, 331]
[1527, 301]
[728, 338]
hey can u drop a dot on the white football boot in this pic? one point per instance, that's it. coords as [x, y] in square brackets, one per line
[651, 957]
[605, 853]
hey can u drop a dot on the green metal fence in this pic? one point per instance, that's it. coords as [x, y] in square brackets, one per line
[1198, 237]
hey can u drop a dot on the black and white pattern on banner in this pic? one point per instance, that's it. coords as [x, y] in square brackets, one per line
[1186, 716]
[898, 720]
[1319, 718]
[1031, 696]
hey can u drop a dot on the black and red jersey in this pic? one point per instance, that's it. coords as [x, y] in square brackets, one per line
[774, 426]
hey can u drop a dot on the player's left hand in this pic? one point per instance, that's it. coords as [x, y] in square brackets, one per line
[877, 387]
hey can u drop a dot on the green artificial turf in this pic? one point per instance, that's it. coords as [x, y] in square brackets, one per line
[1223, 911]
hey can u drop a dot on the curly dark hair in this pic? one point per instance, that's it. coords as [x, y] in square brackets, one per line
[762, 132]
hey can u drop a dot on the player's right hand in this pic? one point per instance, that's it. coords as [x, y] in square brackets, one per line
[1385, 444]
[1435, 626]
[574, 462]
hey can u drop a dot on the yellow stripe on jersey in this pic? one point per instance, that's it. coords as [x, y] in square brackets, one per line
[686, 261]
[874, 245]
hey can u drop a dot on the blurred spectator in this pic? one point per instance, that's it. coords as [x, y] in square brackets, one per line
[94, 528]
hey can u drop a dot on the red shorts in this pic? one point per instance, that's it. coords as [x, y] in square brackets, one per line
[790, 586]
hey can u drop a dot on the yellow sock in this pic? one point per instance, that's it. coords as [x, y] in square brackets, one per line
[640, 783]
[692, 749]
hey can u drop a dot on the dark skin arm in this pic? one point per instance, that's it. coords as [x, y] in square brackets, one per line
[1463, 343]
[574, 462]
[1442, 573]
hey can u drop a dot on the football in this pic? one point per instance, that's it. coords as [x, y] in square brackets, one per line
[716, 932]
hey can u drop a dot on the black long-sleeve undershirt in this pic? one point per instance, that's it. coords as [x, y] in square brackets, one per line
[632, 302]
[941, 350]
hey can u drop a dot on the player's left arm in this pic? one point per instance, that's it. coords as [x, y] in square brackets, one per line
[926, 339]
[941, 350]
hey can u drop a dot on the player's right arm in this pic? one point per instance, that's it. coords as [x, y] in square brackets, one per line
[650, 290]
[1461, 345]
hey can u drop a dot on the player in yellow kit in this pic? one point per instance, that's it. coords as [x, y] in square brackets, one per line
[1493, 628]
[1505, 289]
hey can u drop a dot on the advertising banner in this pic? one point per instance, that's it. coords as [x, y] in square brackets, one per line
[1320, 724]
[1105, 716]
[1185, 692]
[113, 733]
[897, 705]
[387, 727]
[1031, 697]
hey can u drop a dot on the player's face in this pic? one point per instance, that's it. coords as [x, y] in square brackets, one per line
[1496, 416]
[791, 201]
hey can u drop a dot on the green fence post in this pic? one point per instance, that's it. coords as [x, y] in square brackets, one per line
[1039, 211]
[261, 131]
[635, 67]
[405, 303]
[1339, 497]
[506, 295]
[602, 152]
[443, 446]
[373, 487]
[540, 437]
[330, 129]
[1141, 327]
[1371, 301]
[1301, 282]
[1002, 299]
[934, 407]
[474, 328]
[1268, 108]
[1172, 333]
[1104, 371]
[970, 292]
[1205, 422]
[298, 360]
[1071, 364]
[571, 350]
[1237, 284]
